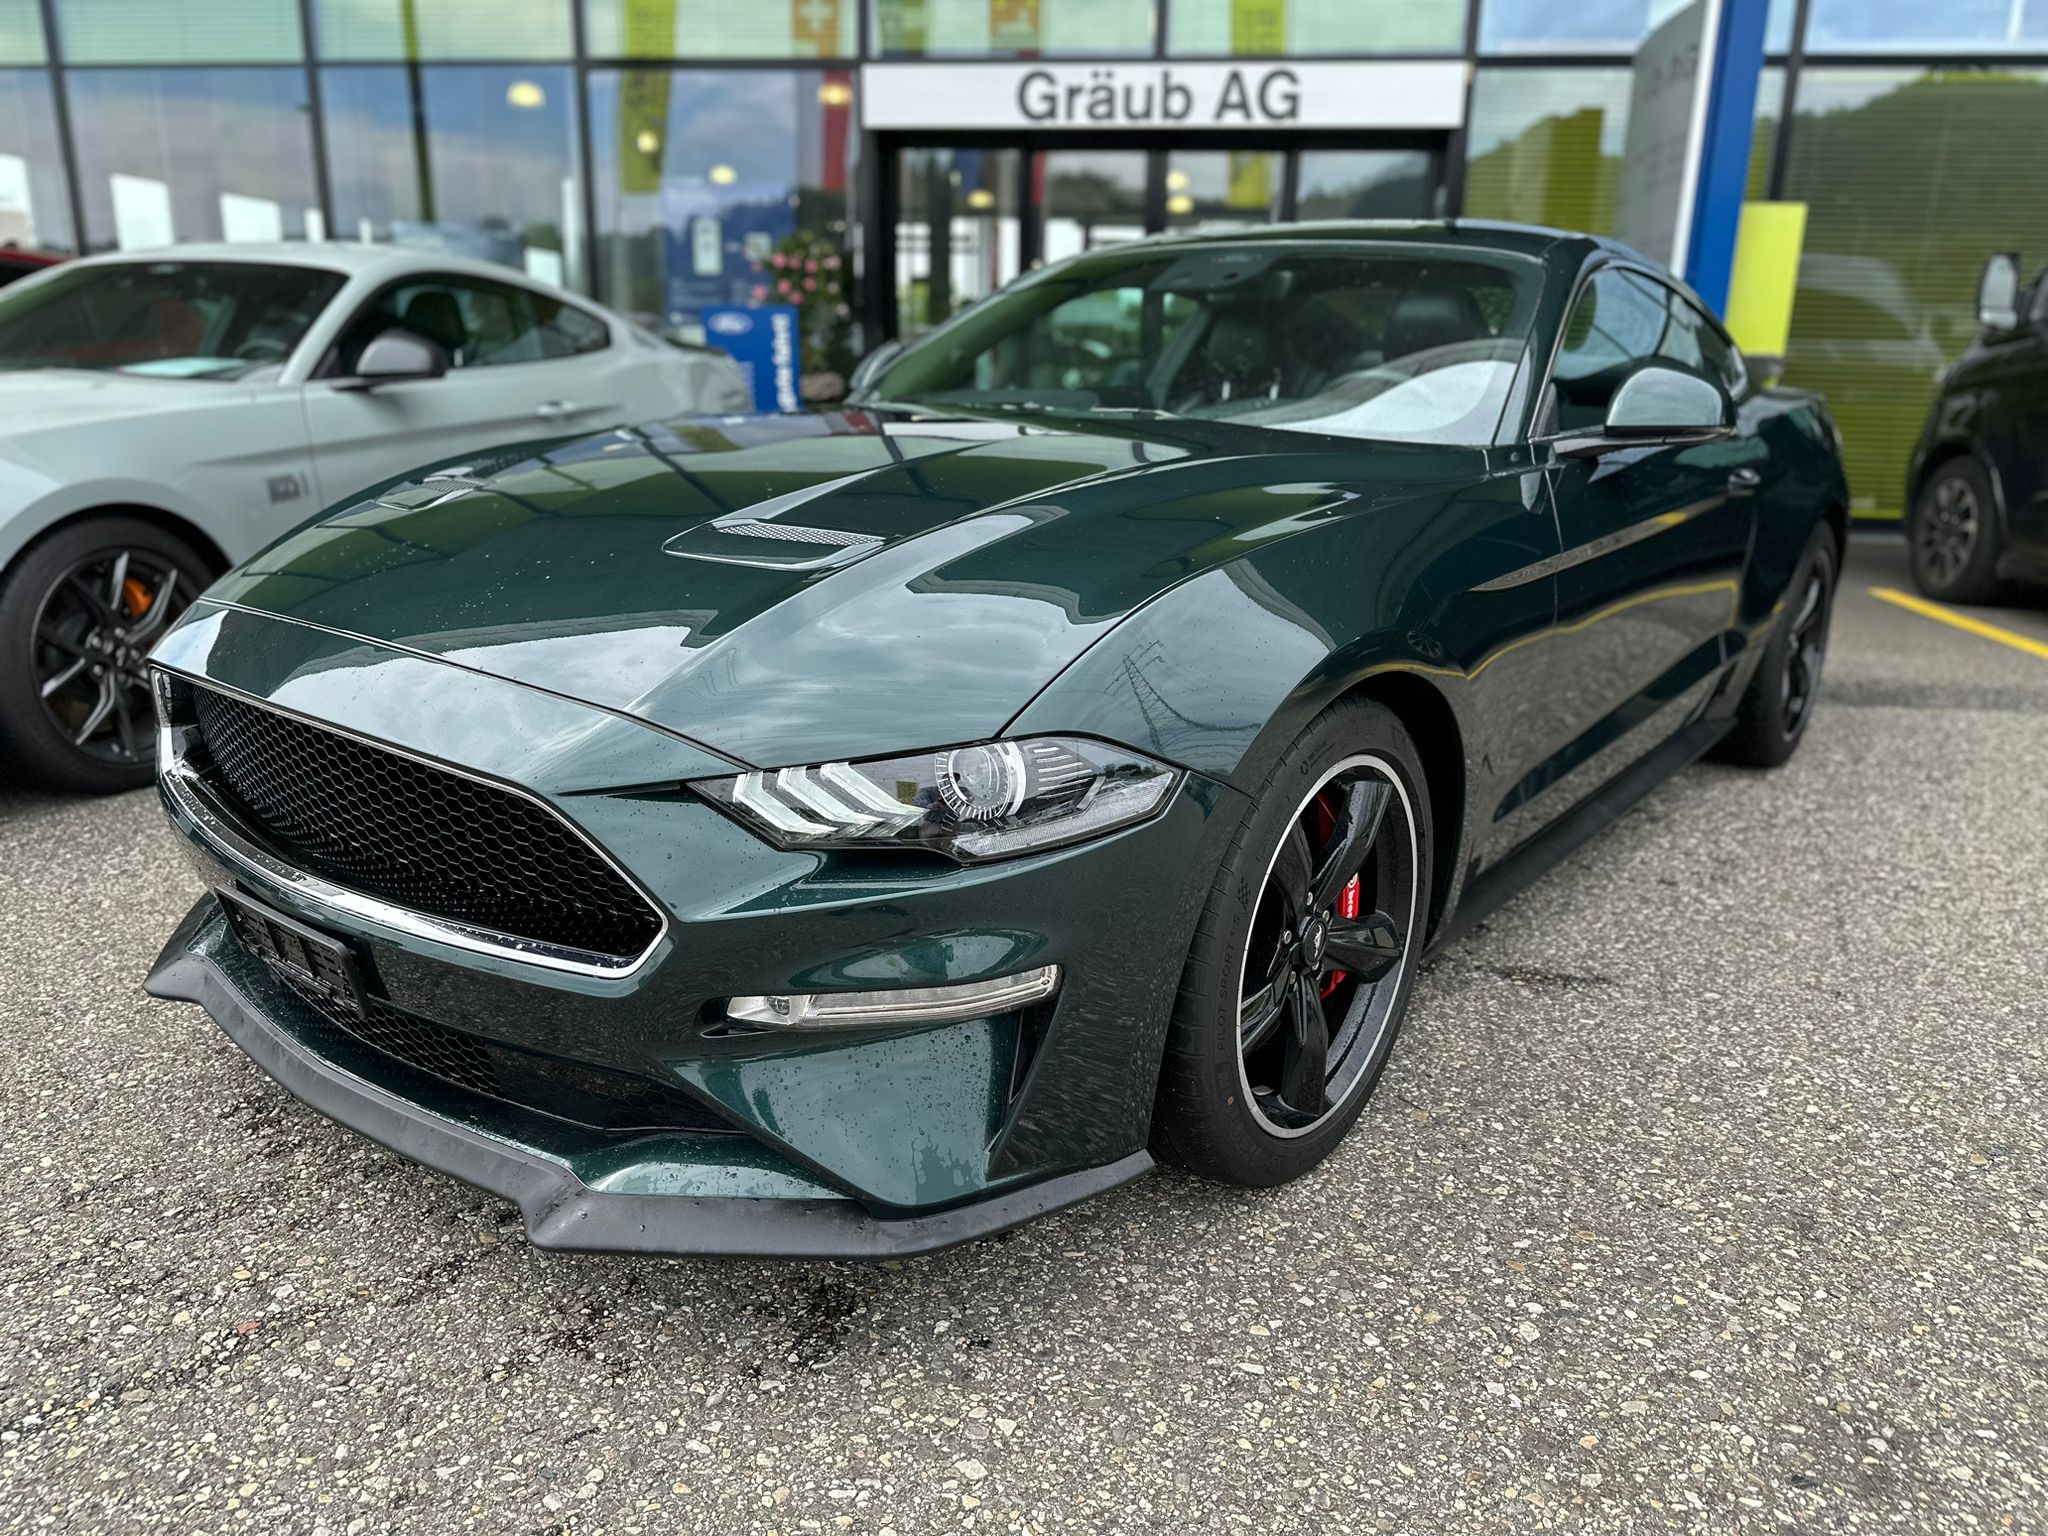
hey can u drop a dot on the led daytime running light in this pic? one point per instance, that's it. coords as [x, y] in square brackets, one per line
[905, 1006]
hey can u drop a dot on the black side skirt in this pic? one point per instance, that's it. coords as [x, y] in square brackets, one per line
[1495, 887]
[562, 1212]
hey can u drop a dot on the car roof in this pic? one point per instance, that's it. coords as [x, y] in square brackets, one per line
[1533, 240]
[348, 257]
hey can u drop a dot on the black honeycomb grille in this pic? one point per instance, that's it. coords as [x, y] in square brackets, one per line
[415, 835]
[419, 1043]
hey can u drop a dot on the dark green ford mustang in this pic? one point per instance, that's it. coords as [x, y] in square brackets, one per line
[851, 833]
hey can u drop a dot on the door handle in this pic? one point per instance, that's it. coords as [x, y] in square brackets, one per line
[1744, 481]
[555, 410]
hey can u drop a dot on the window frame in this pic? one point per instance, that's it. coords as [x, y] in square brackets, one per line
[329, 366]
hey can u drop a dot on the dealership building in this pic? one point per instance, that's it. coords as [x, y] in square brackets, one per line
[883, 162]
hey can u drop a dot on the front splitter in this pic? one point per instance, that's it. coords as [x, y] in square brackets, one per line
[561, 1211]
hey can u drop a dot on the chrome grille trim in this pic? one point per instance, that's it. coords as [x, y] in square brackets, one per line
[223, 833]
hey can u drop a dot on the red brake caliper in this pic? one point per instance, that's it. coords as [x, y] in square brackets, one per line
[1347, 904]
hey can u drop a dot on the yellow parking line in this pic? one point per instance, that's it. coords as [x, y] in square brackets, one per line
[1962, 621]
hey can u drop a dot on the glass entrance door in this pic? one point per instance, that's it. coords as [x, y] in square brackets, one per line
[966, 220]
[959, 230]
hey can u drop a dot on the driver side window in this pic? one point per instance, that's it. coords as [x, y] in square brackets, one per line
[1618, 322]
[478, 323]
[1624, 319]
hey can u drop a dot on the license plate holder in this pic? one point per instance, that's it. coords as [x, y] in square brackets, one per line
[318, 962]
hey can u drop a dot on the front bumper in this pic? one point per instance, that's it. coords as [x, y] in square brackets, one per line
[201, 965]
[867, 1141]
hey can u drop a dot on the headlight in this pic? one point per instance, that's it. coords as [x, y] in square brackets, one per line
[971, 803]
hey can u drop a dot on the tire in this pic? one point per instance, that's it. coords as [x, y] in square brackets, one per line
[92, 595]
[1952, 537]
[1231, 1114]
[1779, 703]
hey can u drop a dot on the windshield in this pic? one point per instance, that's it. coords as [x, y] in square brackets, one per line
[168, 319]
[1408, 342]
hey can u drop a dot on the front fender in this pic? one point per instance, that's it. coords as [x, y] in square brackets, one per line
[1447, 592]
[34, 500]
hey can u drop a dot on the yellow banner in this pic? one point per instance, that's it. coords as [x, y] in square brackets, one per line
[814, 27]
[1768, 242]
[1258, 26]
[1014, 24]
[1251, 180]
[650, 27]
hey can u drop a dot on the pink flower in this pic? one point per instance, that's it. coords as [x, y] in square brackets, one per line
[832, 263]
[760, 292]
[775, 259]
[810, 285]
[811, 266]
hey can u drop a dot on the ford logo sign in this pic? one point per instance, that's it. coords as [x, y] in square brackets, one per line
[728, 323]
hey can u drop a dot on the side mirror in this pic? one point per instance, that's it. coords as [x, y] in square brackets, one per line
[1998, 293]
[394, 356]
[870, 367]
[1660, 406]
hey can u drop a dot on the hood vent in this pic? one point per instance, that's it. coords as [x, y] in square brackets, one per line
[773, 546]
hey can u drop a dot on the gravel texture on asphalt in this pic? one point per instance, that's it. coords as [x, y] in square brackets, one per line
[1707, 1191]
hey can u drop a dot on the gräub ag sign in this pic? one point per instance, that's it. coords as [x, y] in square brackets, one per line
[1032, 94]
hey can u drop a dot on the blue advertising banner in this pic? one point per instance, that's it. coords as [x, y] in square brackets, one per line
[763, 341]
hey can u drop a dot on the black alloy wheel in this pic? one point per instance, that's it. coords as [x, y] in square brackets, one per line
[1806, 650]
[1946, 532]
[92, 633]
[78, 615]
[1332, 925]
[1303, 956]
[1952, 535]
[1777, 705]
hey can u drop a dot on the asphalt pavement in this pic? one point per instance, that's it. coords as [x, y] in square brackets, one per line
[1707, 1191]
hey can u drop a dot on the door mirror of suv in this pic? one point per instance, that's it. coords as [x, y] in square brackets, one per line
[1998, 293]
[394, 356]
[1657, 405]
[870, 367]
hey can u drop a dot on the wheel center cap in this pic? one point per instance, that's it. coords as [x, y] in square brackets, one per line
[1313, 939]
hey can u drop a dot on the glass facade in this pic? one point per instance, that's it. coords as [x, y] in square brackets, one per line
[1364, 183]
[1916, 26]
[444, 29]
[1582, 26]
[718, 29]
[915, 29]
[170, 155]
[708, 183]
[21, 33]
[34, 210]
[669, 155]
[180, 31]
[1908, 180]
[477, 160]
[1223, 188]
[1545, 145]
[1199, 28]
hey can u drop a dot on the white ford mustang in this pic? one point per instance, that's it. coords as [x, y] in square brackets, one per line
[165, 414]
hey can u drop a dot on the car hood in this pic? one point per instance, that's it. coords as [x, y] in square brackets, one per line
[798, 588]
